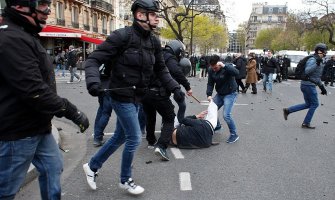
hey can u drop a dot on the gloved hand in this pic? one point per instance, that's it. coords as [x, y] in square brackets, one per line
[178, 95]
[323, 89]
[95, 90]
[76, 116]
[81, 120]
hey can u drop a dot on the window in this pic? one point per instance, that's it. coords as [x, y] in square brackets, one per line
[104, 23]
[254, 18]
[75, 14]
[111, 26]
[60, 10]
[2, 5]
[86, 18]
[95, 20]
[270, 10]
[280, 10]
[280, 19]
[269, 18]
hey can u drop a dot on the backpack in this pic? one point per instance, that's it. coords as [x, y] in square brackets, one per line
[299, 72]
[106, 68]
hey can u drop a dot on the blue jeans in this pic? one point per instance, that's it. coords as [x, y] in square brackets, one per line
[142, 118]
[127, 131]
[228, 102]
[267, 82]
[62, 67]
[73, 71]
[103, 114]
[311, 102]
[15, 159]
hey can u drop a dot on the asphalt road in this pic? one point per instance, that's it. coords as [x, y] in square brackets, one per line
[274, 159]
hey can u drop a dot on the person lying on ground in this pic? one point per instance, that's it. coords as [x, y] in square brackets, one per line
[196, 131]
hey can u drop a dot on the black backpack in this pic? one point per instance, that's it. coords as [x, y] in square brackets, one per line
[299, 72]
[106, 68]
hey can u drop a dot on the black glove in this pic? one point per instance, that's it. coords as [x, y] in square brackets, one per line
[323, 89]
[76, 116]
[95, 90]
[81, 120]
[178, 95]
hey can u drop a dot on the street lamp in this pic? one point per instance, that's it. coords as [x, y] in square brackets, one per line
[191, 41]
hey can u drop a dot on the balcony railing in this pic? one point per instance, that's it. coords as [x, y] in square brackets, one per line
[95, 29]
[83, 1]
[75, 24]
[60, 22]
[103, 6]
[86, 27]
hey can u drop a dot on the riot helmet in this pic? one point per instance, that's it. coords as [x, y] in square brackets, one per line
[321, 47]
[185, 65]
[149, 5]
[177, 47]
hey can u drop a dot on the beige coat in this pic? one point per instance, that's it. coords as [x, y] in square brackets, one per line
[251, 72]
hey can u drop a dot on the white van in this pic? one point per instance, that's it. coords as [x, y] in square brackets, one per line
[295, 57]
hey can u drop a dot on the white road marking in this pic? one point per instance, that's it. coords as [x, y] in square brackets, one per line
[185, 181]
[241, 104]
[177, 153]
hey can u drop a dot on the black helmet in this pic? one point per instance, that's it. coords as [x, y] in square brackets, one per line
[25, 3]
[177, 47]
[185, 65]
[149, 5]
[321, 47]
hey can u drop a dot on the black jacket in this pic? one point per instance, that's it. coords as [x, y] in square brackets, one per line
[270, 65]
[194, 133]
[224, 80]
[28, 98]
[241, 63]
[133, 68]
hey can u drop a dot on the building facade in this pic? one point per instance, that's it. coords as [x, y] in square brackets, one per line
[264, 16]
[83, 23]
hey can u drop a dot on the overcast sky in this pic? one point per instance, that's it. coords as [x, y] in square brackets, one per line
[238, 11]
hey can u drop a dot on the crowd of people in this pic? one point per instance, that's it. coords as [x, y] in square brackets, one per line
[134, 77]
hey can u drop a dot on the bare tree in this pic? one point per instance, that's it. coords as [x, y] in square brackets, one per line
[176, 19]
[322, 18]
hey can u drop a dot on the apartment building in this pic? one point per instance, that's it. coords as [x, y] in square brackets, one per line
[83, 23]
[264, 16]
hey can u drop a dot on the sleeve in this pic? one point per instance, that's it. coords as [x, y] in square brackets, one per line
[104, 52]
[190, 121]
[210, 83]
[161, 70]
[177, 74]
[311, 66]
[230, 69]
[23, 74]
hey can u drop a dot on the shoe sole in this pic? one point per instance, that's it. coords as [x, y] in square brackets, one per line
[158, 153]
[85, 170]
[230, 142]
[127, 189]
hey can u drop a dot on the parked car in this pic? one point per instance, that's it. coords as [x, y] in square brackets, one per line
[295, 57]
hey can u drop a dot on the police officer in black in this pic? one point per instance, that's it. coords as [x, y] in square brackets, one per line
[286, 65]
[158, 99]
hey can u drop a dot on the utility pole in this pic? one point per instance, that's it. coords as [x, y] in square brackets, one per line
[191, 41]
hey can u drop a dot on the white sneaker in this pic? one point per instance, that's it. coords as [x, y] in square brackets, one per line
[90, 176]
[131, 187]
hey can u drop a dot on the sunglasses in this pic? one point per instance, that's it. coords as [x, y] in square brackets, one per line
[46, 11]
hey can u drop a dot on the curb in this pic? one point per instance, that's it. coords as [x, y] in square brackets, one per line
[32, 172]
